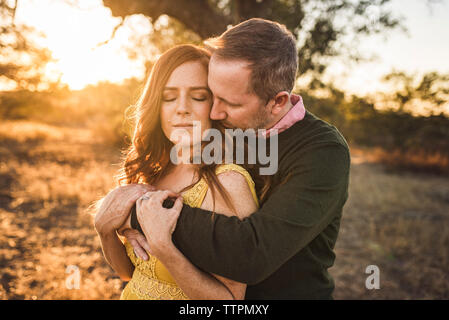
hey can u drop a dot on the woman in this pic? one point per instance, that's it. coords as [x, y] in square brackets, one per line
[176, 97]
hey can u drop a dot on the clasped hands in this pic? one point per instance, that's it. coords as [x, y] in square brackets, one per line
[157, 222]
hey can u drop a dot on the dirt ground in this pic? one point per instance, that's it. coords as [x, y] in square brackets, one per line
[49, 176]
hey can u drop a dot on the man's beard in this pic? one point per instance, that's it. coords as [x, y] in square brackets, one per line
[260, 120]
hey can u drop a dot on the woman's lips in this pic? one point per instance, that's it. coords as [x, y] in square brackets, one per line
[183, 125]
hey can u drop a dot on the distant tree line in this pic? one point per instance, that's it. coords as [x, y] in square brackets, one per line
[408, 140]
[103, 106]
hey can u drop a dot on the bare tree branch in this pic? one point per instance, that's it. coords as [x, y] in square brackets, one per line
[14, 9]
[122, 21]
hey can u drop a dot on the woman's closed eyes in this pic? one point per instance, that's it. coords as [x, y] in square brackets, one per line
[171, 95]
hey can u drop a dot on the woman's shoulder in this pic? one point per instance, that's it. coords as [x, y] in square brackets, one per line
[236, 179]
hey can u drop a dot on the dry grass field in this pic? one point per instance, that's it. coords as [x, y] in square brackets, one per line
[49, 176]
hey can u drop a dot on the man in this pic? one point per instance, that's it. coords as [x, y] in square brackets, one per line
[284, 249]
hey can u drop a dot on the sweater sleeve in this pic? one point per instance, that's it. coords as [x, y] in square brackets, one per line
[252, 249]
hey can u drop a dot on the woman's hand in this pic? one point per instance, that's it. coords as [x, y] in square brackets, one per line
[116, 206]
[138, 242]
[157, 222]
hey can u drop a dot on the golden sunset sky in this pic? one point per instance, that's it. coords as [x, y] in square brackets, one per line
[73, 34]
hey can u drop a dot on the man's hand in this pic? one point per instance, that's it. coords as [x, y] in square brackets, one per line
[157, 222]
[116, 206]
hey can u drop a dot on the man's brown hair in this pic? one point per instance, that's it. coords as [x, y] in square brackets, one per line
[270, 50]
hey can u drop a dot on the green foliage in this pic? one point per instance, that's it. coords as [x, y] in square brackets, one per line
[362, 124]
[432, 88]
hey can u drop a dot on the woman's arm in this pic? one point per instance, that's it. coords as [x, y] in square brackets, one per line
[112, 211]
[115, 254]
[196, 283]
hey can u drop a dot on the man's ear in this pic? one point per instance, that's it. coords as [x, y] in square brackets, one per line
[280, 101]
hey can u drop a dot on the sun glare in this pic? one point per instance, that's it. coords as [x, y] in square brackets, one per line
[73, 34]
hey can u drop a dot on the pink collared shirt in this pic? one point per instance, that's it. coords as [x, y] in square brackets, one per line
[295, 114]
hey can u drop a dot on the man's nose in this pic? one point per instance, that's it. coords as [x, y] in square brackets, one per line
[217, 113]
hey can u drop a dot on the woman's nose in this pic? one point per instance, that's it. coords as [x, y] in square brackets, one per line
[183, 105]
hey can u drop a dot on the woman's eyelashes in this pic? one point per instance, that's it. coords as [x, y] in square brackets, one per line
[195, 97]
[203, 98]
[165, 99]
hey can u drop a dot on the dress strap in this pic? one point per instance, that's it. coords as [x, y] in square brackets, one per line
[194, 197]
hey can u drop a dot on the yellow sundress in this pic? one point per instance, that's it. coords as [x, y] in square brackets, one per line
[151, 280]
